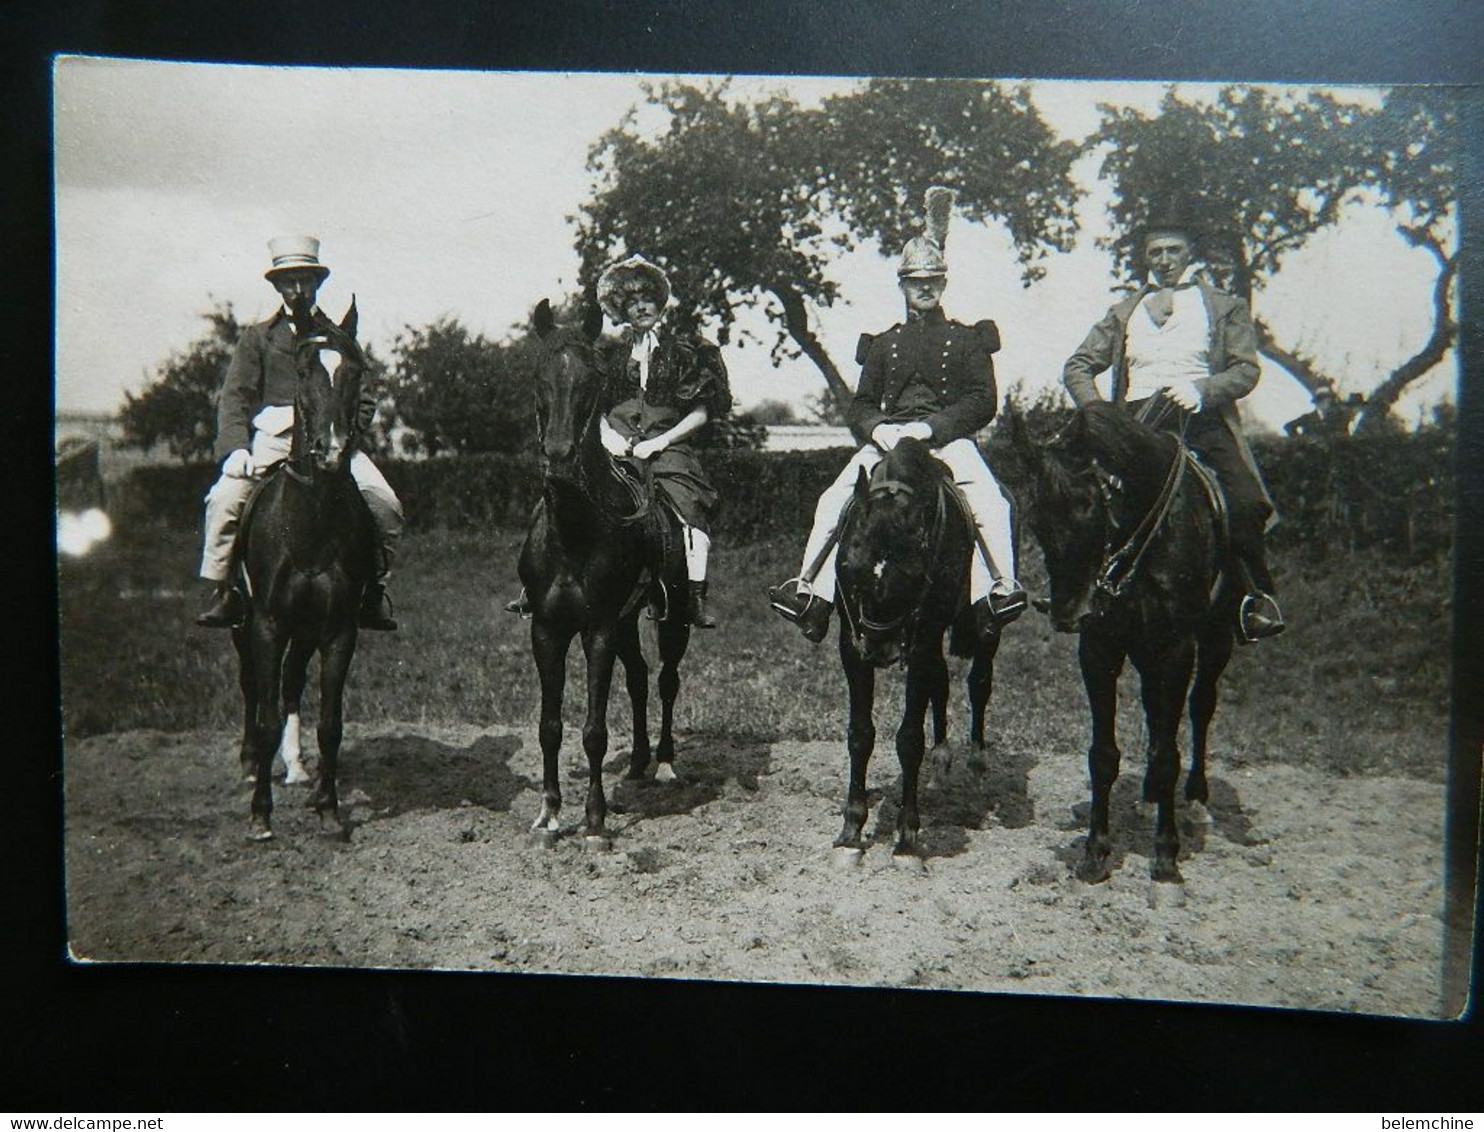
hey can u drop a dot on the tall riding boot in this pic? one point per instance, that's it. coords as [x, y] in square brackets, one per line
[1258, 615]
[226, 610]
[696, 612]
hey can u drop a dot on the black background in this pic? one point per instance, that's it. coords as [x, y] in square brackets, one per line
[157, 1038]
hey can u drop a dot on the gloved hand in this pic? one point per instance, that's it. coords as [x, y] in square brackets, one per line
[917, 430]
[616, 444]
[885, 436]
[238, 464]
[1184, 394]
[646, 449]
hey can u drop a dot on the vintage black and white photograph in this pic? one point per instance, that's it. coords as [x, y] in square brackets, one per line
[971, 535]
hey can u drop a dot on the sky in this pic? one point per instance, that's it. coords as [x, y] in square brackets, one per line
[452, 194]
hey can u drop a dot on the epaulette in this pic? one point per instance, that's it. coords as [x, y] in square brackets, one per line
[863, 347]
[989, 334]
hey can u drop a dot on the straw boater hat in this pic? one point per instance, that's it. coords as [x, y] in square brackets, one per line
[923, 257]
[621, 279]
[295, 253]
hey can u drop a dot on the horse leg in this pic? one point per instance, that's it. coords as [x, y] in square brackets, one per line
[598, 645]
[1213, 651]
[334, 668]
[938, 688]
[1101, 662]
[1163, 684]
[246, 755]
[860, 739]
[267, 649]
[550, 650]
[636, 677]
[674, 638]
[295, 672]
[981, 683]
[926, 670]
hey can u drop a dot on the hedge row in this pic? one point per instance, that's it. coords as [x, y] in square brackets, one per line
[1335, 494]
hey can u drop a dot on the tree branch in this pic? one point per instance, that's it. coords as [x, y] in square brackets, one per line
[1379, 404]
[796, 322]
[1302, 369]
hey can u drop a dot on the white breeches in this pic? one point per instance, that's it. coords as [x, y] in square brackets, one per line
[990, 508]
[697, 549]
[225, 500]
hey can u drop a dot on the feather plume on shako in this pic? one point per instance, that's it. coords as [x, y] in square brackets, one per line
[923, 256]
[938, 205]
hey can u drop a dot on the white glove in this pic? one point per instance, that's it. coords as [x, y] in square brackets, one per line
[238, 464]
[885, 436]
[1184, 394]
[616, 444]
[647, 448]
[917, 430]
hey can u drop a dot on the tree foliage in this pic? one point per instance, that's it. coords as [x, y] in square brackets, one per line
[450, 391]
[178, 408]
[1262, 172]
[749, 204]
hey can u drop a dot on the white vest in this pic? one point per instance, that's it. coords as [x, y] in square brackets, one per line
[1172, 354]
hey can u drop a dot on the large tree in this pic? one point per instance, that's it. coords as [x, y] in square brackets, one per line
[1264, 171]
[749, 204]
[178, 408]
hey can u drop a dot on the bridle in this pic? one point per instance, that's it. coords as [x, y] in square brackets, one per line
[909, 619]
[640, 487]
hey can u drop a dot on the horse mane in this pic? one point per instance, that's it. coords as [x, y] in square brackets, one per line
[1123, 445]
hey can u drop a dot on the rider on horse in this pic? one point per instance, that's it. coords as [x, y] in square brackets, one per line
[662, 387]
[1182, 355]
[254, 428]
[932, 379]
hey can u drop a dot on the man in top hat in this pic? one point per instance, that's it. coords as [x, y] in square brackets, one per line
[932, 379]
[662, 387]
[1182, 355]
[254, 431]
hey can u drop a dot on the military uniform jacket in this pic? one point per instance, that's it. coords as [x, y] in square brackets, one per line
[929, 369]
[263, 373]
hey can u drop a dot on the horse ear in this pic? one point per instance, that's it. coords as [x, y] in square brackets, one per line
[862, 485]
[352, 318]
[543, 321]
[592, 321]
[1020, 438]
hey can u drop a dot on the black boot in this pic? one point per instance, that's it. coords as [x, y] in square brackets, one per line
[226, 610]
[695, 611]
[1258, 618]
[376, 608]
[810, 613]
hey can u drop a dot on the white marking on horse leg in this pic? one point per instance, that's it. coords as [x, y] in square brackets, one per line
[664, 772]
[1197, 813]
[289, 751]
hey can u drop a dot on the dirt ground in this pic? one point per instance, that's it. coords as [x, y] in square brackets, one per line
[1307, 890]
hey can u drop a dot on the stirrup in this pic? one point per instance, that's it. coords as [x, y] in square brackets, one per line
[802, 586]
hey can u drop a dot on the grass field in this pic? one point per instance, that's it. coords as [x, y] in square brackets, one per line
[1359, 684]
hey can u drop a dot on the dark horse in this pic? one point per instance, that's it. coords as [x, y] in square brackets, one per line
[905, 546]
[306, 551]
[583, 567]
[1135, 550]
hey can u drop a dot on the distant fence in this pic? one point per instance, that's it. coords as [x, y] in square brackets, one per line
[1335, 494]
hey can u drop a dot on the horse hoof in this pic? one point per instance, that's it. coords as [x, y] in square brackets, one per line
[1167, 892]
[635, 773]
[1165, 874]
[597, 843]
[258, 829]
[909, 862]
[664, 772]
[541, 838]
[1093, 872]
[1197, 814]
[297, 776]
[846, 857]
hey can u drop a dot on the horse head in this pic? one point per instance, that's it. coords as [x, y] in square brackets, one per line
[888, 553]
[1067, 511]
[326, 408]
[569, 386]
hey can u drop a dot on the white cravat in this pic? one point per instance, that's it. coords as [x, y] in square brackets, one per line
[1176, 353]
[644, 347]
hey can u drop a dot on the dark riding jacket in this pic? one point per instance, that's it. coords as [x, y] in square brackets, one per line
[929, 369]
[684, 372]
[262, 373]
[1231, 358]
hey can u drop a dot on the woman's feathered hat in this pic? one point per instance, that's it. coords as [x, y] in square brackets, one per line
[621, 279]
[923, 257]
